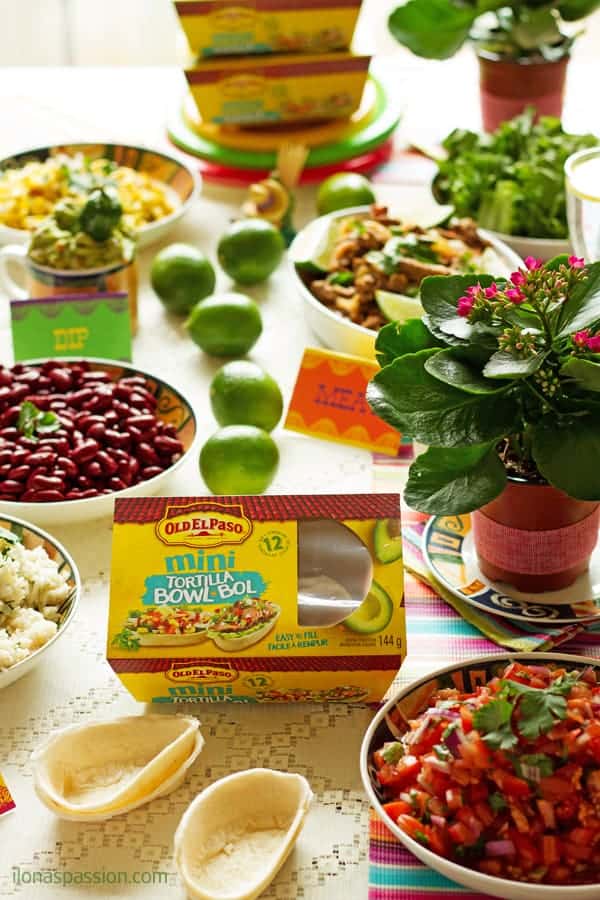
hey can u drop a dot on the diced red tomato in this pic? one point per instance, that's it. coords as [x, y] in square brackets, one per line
[550, 850]
[511, 784]
[397, 808]
[400, 775]
[553, 787]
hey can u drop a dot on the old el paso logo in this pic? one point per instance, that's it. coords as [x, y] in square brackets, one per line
[206, 673]
[203, 525]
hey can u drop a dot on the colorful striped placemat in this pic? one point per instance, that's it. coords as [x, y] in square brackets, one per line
[442, 630]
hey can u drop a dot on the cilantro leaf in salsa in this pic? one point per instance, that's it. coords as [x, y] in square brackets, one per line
[494, 722]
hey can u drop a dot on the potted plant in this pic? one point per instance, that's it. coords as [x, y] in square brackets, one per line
[523, 47]
[501, 379]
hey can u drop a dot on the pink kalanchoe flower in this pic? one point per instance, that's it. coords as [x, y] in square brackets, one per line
[532, 263]
[580, 337]
[593, 343]
[464, 306]
[514, 295]
[576, 262]
[518, 278]
[473, 289]
[491, 291]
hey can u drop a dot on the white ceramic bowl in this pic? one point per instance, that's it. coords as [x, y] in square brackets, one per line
[333, 329]
[181, 182]
[172, 407]
[540, 248]
[33, 537]
[411, 701]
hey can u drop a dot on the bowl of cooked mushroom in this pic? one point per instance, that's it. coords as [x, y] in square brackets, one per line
[358, 269]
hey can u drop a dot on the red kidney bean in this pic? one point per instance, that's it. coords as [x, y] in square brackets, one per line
[68, 466]
[19, 454]
[97, 431]
[58, 404]
[9, 434]
[151, 471]
[117, 453]
[42, 401]
[92, 419]
[109, 466]
[5, 456]
[93, 469]
[84, 482]
[61, 379]
[42, 458]
[28, 444]
[9, 486]
[123, 410]
[144, 421]
[5, 468]
[95, 376]
[20, 473]
[85, 451]
[147, 454]
[49, 496]
[10, 415]
[60, 445]
[78, 398]
[111, 416]
[167, 445]
[45, 483]
[5, 377]
[116, 438]
[117, 484]
[31, 376]
[101, 401]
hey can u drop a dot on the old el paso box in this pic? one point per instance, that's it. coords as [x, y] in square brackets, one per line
[7, 804]
[257, 599]
[216, 27]
[268, 89]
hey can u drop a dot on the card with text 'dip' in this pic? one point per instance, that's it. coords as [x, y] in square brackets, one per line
[90, 325]
[329, 402]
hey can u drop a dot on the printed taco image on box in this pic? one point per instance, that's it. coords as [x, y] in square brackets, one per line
[7, 804]
[257, 599]
[216, 27]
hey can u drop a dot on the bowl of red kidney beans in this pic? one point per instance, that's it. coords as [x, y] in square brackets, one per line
[74, 434]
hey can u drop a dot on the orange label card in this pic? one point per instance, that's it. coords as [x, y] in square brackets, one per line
[329, 402]
[6, 801]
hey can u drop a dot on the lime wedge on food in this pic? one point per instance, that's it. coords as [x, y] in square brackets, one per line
[398, 307]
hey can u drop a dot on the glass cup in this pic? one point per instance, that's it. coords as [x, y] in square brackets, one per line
[582, 174]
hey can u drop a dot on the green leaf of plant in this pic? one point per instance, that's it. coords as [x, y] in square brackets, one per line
[408, 398]
[567, 456]
[397, 338]
[557, 261]
[439, 297]
[455, 481]
[504, 365]
[493, 721]
[582, 308]
[572, 10]
[448, 367]
[435, 29]
[584, 371]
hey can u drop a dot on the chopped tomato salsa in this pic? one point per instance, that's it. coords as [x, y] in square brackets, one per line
[505, 780]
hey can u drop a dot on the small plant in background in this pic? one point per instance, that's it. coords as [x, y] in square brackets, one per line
[500, 377]
[437, 29]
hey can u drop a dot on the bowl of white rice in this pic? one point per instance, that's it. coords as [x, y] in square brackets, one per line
[39, 590]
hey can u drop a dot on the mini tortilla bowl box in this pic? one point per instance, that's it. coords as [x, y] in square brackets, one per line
[7, 804]
[218, 27]
[212, 599]
[266, 90]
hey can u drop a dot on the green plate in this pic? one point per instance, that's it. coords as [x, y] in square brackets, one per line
[385, 118]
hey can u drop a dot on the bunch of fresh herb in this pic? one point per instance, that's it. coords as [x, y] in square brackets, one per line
[511, 181]
[495, 368]
[437, 29]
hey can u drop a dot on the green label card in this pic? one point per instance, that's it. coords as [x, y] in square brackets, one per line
[96, 325]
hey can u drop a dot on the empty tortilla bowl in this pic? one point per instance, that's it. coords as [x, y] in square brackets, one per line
[237, 833]
[92, 772]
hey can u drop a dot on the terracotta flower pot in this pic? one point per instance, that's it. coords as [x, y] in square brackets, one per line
[535, 537]
[508, 86]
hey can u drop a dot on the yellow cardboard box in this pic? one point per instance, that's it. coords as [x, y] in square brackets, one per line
[257, 599]
[269, 89]
[217, 27]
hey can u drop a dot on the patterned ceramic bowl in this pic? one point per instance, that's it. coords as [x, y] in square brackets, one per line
[32, 537]
[388, 726]
[172, 408]
[178, 181]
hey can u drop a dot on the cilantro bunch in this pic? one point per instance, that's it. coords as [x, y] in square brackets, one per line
[511, 181]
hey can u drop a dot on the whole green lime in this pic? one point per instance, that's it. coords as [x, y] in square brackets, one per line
[241, 393]
[342, 191]
[250, 250]
[239, 459]
[181, 275]
[225, 324]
